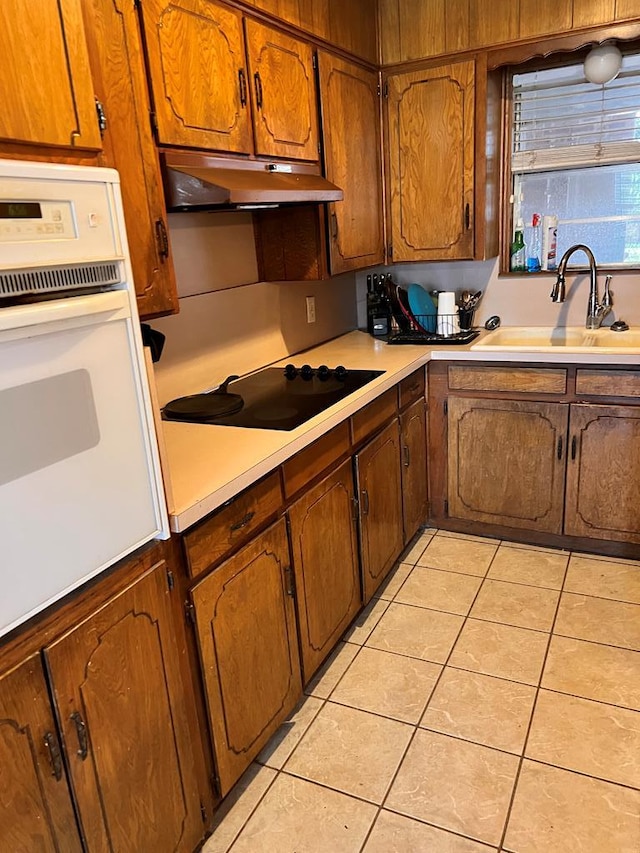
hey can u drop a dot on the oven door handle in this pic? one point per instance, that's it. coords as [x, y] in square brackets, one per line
[43, 317]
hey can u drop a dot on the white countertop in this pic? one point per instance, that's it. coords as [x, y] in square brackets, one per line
[207, 464]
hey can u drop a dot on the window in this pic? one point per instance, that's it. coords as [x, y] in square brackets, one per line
[576, 155]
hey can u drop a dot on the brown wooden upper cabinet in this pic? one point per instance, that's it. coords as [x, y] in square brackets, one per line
[118, 69]
[45, 87]
[198, 74]
[206, 78]
[430, 130]
[352, 153]
[283, 94]
[350, 25]
[415, 29]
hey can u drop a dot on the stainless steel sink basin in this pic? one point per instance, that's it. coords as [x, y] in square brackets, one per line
[549, 338]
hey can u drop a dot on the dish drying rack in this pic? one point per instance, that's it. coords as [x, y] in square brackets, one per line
[429, 329]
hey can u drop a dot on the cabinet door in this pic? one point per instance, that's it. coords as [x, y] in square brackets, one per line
[413, 440]
[195, 52]
[283, 94]
[121, 85]
[351, 130]
[431, 163]
[249, 650]
[506, 462]
[35, 805]
[45, 84]
[603, 473]
[378, 473]
[325, 559]
[119, 699]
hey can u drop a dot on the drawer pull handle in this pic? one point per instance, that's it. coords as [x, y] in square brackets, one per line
[242, 523]
[574, 447]
[560, 445]
[406, 456]
[365, 502]
[54, 755]
[81, 731]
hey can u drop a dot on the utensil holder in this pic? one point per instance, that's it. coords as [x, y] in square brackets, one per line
[465, 317]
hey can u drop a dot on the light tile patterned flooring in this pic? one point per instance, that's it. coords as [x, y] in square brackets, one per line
[487, 699]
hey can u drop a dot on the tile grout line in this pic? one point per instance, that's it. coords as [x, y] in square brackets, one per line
[431, 692]
[532, 714]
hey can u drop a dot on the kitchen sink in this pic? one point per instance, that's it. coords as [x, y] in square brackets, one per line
[550, 338]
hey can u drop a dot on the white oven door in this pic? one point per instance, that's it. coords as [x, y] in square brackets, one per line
[80, 483]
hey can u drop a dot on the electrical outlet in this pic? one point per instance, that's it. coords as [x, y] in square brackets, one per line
[311, 309]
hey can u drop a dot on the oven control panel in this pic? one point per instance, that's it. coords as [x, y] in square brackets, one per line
[22, 221]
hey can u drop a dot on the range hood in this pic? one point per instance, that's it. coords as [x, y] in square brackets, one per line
[201, 181]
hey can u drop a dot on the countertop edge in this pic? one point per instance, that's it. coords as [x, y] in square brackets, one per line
[279, 446]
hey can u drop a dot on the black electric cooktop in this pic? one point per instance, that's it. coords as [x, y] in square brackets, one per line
[273, 398]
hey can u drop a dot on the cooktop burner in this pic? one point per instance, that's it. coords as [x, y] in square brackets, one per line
[273, 398]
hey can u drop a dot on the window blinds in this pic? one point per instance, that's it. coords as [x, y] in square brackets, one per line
[561, 121]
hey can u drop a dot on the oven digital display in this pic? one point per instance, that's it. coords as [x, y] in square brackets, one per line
[20, 210]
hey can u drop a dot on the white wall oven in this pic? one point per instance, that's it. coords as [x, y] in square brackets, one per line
[80, 482]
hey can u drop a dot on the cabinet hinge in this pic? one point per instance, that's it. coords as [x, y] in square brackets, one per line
[379, 90]
[171, 582]
[445, 406]
[390, 250]
[314, 60]
[190, 612]
[203, 812]
[102, 118]
[154, 121]
[446, 507]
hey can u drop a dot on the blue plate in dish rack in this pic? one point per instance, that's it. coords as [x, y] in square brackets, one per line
[422, 308]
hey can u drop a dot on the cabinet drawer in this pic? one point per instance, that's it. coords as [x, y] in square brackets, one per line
[411, 388]
[367, 420]
[232, 525]
[608, 383]
[523, 379]
[307, 464]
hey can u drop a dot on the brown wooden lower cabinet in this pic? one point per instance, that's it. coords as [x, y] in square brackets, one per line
[36, 812]
[325, 558]
[413, 441]
[506, 462]
[245, 620]
[603, 473]
[568, 468]
[118, 694]
[380, 498]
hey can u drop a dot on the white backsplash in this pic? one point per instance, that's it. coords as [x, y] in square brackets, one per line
[518, 301]
[229, 322]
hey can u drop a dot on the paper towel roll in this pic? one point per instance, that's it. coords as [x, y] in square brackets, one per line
[448, 323]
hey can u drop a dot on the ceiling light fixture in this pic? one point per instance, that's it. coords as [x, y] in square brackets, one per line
[602, 64]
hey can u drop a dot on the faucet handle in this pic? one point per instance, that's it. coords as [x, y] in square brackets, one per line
[607, 298]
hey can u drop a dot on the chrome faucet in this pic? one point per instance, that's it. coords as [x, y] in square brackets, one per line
[596, 311]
